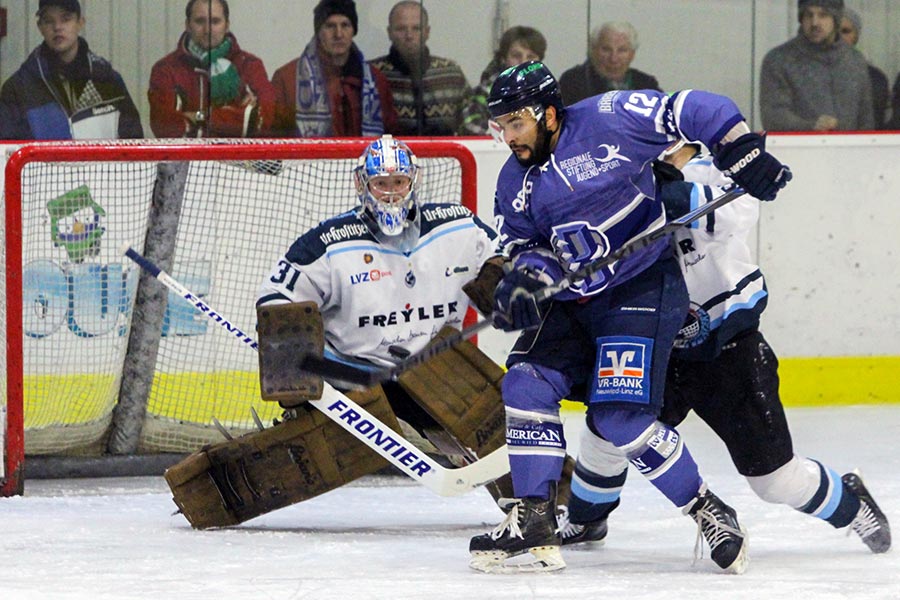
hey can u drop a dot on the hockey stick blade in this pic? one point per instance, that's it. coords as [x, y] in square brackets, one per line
[357, 376]
[362, 425]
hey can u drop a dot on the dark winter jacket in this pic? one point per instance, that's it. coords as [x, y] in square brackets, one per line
[48, 100]
[800, 81]
[582, 81]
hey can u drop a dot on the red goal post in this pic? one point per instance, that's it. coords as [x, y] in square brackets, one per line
[217, 214]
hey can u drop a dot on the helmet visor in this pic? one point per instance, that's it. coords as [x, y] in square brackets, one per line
[516, 124]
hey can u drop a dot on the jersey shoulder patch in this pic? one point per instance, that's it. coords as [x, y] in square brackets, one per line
[310, 246]
[437, 214]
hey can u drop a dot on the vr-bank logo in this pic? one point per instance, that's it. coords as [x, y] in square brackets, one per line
[621, 360]
[623, 372]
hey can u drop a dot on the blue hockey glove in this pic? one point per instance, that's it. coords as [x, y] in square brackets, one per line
[515, 306]
[746, 161]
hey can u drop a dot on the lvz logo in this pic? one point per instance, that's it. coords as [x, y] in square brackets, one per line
[369, 276]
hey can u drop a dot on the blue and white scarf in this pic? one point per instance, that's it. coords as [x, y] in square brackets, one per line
[313, 108]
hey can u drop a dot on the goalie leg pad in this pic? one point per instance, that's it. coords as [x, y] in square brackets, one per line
[460, 390]
[234, 481]
[287, 334]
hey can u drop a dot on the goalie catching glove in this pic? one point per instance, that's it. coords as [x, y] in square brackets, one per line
[515, 305]
[746, 161]
[481, 289]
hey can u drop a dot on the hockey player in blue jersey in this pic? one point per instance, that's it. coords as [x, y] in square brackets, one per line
[578, 187]
[723, 369]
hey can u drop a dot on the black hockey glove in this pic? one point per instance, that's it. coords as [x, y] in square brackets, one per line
[746, 161]
[515, 306]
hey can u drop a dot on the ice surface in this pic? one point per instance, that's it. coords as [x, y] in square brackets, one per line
[386, 537]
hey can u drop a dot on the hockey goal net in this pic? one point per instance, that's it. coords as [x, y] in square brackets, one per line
[98, 360]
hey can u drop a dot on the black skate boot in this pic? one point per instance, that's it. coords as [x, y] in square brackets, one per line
[717, 523]
[577, 533]
[870, 523]
[529, 526]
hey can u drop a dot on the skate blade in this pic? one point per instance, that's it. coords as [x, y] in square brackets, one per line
[739, 565]
[544, 559]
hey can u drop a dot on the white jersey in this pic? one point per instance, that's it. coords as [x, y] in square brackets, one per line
[373, 296]
[726, 287]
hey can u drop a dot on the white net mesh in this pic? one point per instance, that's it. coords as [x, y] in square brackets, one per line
[234, 220]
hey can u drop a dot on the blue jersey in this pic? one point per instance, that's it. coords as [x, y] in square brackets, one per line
[597, 191]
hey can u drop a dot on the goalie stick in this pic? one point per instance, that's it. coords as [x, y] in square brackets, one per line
[361, 424]
[368, 377]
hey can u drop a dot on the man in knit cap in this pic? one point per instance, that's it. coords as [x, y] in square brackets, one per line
[330, 91]
[63, 91]
[815, 81]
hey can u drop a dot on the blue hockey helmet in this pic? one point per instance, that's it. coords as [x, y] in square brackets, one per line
[528, 84]
[380, 173]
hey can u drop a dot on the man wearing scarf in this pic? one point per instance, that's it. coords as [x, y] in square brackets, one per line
[63, 90]
[330, 91]
[209, 86]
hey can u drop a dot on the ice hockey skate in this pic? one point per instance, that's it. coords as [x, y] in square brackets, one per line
[870, 523]
[717, 523]
[529, 527]
[577, 533]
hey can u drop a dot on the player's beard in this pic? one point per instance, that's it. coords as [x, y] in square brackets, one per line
[540, 152]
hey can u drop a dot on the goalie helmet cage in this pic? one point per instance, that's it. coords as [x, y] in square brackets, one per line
[91, 352]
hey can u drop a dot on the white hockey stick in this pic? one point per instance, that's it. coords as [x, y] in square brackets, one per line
[365, 427]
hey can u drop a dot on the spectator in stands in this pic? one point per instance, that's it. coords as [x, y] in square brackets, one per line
[851, 28]
[429, 92]
[63, 90]
[330, 90]
[608, 66]
[517, 45]
[894, 122]
[816, 82]
[209, 86]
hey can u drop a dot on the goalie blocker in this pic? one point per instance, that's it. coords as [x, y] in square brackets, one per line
[305, 456]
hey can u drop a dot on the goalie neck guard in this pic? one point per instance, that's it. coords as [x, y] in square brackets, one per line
[386, 180]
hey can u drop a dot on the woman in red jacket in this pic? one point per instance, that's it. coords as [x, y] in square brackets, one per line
[209, 87]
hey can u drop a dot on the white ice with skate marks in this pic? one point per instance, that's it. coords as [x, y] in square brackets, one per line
[388, 537]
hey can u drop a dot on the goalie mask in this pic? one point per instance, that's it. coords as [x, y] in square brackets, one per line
[386, 177]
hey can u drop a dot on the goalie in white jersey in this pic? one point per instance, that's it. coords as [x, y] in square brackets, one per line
[723, 369]
[386, 276]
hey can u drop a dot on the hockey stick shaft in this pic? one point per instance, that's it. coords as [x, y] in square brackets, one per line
[361, 424]
[636, 244]
[323, 366]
